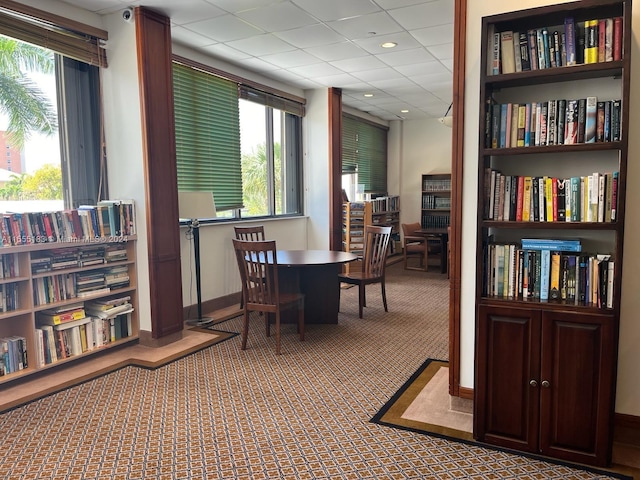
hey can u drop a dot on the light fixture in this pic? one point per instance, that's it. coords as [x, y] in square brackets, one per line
[388, 44]
[404, 111]
[368, 95]
[194, 206]
[445, 120]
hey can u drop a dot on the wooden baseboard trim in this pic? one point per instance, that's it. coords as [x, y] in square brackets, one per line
[464, 392]
[211, 305]
[626, 429]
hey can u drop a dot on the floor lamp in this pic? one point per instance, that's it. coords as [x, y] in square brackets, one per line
[193, 206]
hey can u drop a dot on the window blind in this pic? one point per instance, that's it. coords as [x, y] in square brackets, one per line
[41, 28]
[270, 100]
[364, 145]
[207, 124]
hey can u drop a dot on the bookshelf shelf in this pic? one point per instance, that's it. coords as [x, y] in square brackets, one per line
[545, 123]
[19, 328]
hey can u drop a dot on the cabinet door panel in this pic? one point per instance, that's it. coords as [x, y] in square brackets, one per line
[506, 403]
[577, 361]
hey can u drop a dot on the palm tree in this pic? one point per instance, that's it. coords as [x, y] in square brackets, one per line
[21, 100]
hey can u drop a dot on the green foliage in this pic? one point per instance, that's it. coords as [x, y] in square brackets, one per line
[254, 180]
[44, 184]
[21, 100]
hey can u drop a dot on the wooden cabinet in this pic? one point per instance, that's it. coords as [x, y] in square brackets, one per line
[436, 202]
[545, 382]
[45, 276]
[550, 257]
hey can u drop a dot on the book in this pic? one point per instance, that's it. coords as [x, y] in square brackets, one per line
[590, 120]
[561, 245]
[554, 280]
[591, 41]
[617, 38]
[545, 272]
[46, 318]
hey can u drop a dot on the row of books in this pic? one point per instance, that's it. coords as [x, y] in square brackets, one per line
[64, 258]
[553, 122]
[434, 202]
[9, 266]
[54, 343]
[435, 221]
[9, 297]
[436, 185]
[108, 219]
[589, 198]
[13, 354]
[66, 286]
[385, 204]
[548, 274]
[573, 43]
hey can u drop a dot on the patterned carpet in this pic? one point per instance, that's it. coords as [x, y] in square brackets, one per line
[222, 413]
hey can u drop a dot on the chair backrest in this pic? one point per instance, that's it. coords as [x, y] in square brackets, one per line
[376, 247]
[252, 234]
[410, 228]
[257, 262]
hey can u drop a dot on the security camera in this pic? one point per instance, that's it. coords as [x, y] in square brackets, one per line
[127, 14]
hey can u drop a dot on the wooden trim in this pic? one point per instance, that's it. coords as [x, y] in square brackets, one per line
[335, 168]
[457, 162]
[626, 429]
[465, 392]
[53, 19]
[238, 79]
[153, 41]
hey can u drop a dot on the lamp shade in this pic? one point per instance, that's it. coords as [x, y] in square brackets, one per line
[196, 205]
[446, 121]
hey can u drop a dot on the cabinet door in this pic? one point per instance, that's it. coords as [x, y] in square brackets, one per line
[506, 410]
[577, 388]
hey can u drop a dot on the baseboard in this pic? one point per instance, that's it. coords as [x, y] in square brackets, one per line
[626, 429]
[212, 305]
[466, 393]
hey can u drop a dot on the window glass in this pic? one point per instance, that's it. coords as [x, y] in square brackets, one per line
[255, 159]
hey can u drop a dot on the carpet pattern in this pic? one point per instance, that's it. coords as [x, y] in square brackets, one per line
[223, 413]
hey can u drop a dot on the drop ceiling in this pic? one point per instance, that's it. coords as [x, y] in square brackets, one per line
[314, 44]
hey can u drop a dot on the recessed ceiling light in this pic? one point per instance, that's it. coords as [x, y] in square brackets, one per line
[388, 44]
[404, 111]
[368, 95]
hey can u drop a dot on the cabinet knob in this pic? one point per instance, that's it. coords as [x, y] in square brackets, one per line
[533, 383]
[546, 384]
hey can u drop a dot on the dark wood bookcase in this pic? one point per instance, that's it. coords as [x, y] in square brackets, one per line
[545, 369]
[436, 202]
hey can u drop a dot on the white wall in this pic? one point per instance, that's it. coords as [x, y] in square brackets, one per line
[628, 386]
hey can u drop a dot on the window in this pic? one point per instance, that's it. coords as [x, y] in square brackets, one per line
[364, 152]
[70, 158]
[241, 143]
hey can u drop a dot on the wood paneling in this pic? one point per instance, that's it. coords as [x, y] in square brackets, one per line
[153, 39]
[335, 168]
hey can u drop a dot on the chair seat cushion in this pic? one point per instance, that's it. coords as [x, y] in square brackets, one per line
[357, 276]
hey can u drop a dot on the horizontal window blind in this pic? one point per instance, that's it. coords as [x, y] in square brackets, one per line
[207, 124]
[270, 100]
[43, 31]
[365, 145]
[349, 144]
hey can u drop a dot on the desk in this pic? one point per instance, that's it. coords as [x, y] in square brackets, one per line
[314, 273]
[443, 235]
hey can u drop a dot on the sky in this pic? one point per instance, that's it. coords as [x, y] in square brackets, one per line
[40, 149]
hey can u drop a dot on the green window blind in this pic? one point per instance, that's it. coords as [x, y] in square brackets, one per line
[365, 145]
[207, 123]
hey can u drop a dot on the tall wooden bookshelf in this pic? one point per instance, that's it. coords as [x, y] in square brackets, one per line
[355, 215]
[436, 202]
[545, 367]
[61, 275]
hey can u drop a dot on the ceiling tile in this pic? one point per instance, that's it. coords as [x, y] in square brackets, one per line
[403, 39]
[336, 80]
[183, 12]
[235, 6]
[189, 38]
[310, 36]
[434, 35]
[391, 4]
[404, 57]
[377, 74]
[316, 70]
[448, 63]
[261, 45]
[358, 64]
[294, 58]
[281, 16]
[336, 51]
[433, 79]
[258, 65]
[424, 15]
[224, 29]
[225, 52]
[366, 26]
[442, 52]
[328, 10]
[424, 68]
[391, 84]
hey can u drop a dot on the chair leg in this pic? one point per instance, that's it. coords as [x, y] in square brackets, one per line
[277, 333]
[245, 330]
[361, 298]
[384, 295]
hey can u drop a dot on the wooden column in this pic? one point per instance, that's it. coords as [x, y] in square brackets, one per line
[335, 168]
[153, 40]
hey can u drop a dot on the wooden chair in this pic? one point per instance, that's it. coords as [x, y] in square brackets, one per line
[414, 245]
[258, 265]
[376, 247]
[251, 234]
